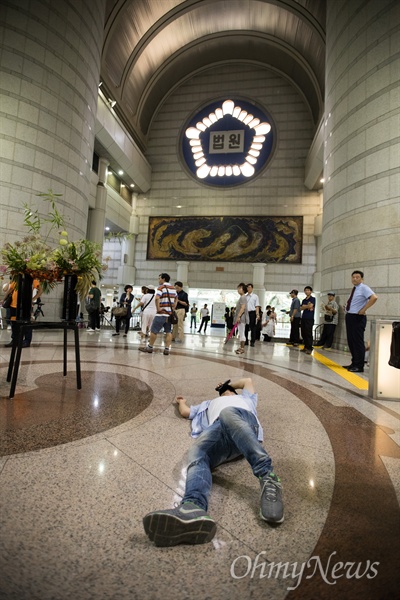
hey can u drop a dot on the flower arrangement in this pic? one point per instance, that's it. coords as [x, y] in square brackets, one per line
[81, 258]
[34, 254]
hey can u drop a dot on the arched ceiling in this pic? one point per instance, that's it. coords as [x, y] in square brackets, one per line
[150, 46]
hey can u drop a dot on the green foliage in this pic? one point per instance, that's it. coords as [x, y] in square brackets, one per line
[34, 254]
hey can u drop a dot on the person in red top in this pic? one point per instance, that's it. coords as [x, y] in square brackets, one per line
[13, 314]
[166, 300]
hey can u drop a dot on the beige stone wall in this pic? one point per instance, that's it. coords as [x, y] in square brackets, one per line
[361, 221]
[49, 73]
[278, 191]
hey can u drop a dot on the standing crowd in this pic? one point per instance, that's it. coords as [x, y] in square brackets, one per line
[165, 308]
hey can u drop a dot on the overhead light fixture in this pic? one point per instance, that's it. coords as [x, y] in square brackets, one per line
[107, 228]
[322, 180]
[112, 102]
[100, 84]
[120, 172]
[132, 185]
[123, 185]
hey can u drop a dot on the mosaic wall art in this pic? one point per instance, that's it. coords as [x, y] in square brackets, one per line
[229, 239]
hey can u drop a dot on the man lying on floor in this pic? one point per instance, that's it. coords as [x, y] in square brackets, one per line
[225, 427]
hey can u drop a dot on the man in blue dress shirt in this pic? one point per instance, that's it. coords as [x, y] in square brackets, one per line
[359, 301]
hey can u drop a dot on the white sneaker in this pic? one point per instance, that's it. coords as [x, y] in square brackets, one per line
[90, 330]
[97, 329]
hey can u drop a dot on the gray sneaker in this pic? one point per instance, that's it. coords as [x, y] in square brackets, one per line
[185, 524]
[271, 509]
[146, 349]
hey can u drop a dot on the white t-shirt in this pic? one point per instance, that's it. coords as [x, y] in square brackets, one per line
[222, 402]
[148, 299]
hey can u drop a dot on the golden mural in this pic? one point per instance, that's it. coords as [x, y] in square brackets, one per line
[229, 239]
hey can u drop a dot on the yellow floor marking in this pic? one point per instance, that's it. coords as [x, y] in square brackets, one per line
[352, 378]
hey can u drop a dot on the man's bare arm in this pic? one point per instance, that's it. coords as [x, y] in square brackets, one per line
[246, 383]
[184, 409]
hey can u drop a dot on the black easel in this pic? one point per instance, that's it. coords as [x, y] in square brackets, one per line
[15, 358]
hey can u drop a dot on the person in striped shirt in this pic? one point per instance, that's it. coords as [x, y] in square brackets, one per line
[166, 299]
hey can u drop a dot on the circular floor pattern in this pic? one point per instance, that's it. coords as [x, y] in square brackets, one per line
[55, 412]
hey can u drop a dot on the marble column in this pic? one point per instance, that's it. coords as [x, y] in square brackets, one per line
[50, 56]
[259, 282]
[362, 149]
[317, 273]
[127, 270]
[49, 68]
[182, 270]
[97, 215]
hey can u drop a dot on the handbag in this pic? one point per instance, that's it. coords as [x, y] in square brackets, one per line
[173, 317]
[120, 311]
[328, 318]
[90, 306]
[7, 301]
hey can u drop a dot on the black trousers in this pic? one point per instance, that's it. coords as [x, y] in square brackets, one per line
[295, 331]
[204, 321]
[126, 319]
[328, 332]
[15, 329]
[251, 327]
[94, 319]
[355, 327]
[307, 333]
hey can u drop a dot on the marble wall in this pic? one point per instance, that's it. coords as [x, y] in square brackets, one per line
[49, 65]
[361, 216]
[278, 191]
[49, 71]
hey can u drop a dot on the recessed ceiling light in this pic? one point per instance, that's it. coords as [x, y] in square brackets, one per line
[132, 185]
[322, 180]
[107, 229]
[179, 206]
[120, 172]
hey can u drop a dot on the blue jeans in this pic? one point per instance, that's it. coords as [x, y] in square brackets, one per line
[232, 435]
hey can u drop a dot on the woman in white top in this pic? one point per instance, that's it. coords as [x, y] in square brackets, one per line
[148, 307]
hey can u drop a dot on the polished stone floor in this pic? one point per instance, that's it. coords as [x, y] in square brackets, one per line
[79, 469]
